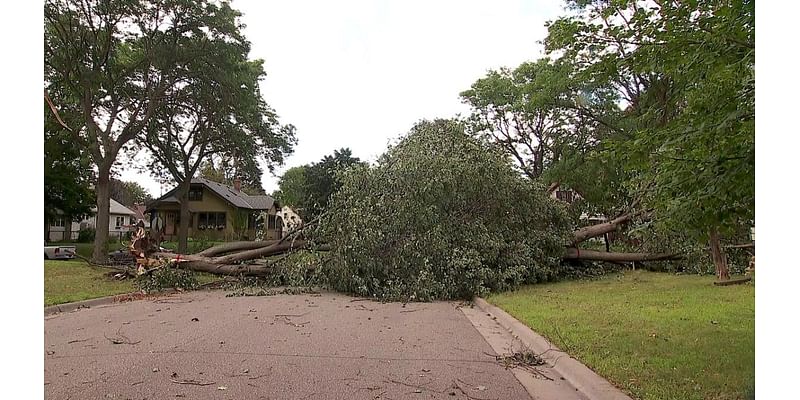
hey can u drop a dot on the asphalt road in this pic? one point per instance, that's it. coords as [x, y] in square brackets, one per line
[203, 345]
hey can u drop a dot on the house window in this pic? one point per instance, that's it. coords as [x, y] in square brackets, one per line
[211, 220]
[565, 195]
[58, 222]
[271, 222]
[133, 221]
[119, 221]
[196, 193]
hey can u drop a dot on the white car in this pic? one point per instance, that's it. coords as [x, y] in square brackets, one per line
[59, 252]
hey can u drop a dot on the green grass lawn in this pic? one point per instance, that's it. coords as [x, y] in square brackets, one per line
[68, 281]
[654, 335]
[75, 280]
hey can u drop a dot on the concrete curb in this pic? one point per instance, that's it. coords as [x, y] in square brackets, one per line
[100, 301]
[587, 382]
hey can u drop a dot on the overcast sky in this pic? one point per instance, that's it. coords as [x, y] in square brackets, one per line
[358, 74]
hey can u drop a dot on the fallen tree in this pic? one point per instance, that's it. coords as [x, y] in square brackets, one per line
[441, 216]
[573, 253]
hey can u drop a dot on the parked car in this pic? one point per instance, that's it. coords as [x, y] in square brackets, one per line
[59, 252]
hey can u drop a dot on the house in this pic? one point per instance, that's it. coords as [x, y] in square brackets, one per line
[562, 193]
[217, 212]
[61, 229]
[120, 219]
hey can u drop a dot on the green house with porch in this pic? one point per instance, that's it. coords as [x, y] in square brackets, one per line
[217, 212]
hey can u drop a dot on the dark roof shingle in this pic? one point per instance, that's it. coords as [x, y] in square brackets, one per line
[239, 199]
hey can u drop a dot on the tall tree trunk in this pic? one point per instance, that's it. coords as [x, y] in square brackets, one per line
[183, 225]
[100, 253]
[718, 255]
[68, 229]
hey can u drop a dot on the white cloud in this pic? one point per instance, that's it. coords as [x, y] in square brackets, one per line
[360, 73]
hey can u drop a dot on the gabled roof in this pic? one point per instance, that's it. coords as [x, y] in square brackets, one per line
[238, 199]
[117, 208]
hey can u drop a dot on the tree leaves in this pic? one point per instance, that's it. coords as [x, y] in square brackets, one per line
[441, 215]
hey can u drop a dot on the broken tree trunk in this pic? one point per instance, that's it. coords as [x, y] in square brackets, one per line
[235, 246]
[718, 255]
[591, 231]
[573, 253]
[237, 263]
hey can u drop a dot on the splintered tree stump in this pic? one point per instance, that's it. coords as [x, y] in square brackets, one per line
[737, 281]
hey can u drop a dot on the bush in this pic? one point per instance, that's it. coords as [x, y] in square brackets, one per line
[86, 235]
[441, 216]
[167, 278]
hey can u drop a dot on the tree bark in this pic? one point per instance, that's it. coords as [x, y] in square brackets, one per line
[183, 225]
[591, 231]
[67, 229]
[100, 252]
[594, 255]
[277, 248]
[718, 255]
[235, 246]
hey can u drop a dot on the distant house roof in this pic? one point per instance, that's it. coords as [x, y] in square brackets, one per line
[117, 208]
[239, 199]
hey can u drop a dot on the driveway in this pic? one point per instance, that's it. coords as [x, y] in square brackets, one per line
[203, 345]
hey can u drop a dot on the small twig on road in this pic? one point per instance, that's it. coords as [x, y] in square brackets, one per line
[464, 392]
[77, 340]
[120, 338]
[418, 309]
[191, 382]
[291, 315]
[411, 385]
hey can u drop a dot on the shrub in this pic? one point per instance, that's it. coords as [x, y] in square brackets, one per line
[441, 216]
[86, 235]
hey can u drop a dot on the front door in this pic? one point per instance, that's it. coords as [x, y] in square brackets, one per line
[171, 227]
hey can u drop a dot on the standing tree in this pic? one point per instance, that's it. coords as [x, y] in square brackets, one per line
[225, 169]
[216, 109]
[308, 188]
[292, 186]
[521, 111]
[128, 193]
[685, 72]
[68, 175]
[109, 66]
[321, 180]
[551, 124]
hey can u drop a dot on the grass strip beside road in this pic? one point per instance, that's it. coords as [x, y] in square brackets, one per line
[654, 335]
[75, 280]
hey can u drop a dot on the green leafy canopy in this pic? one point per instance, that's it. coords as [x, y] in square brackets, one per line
[441, 215]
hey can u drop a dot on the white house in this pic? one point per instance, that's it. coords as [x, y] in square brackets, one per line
[120, 220]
